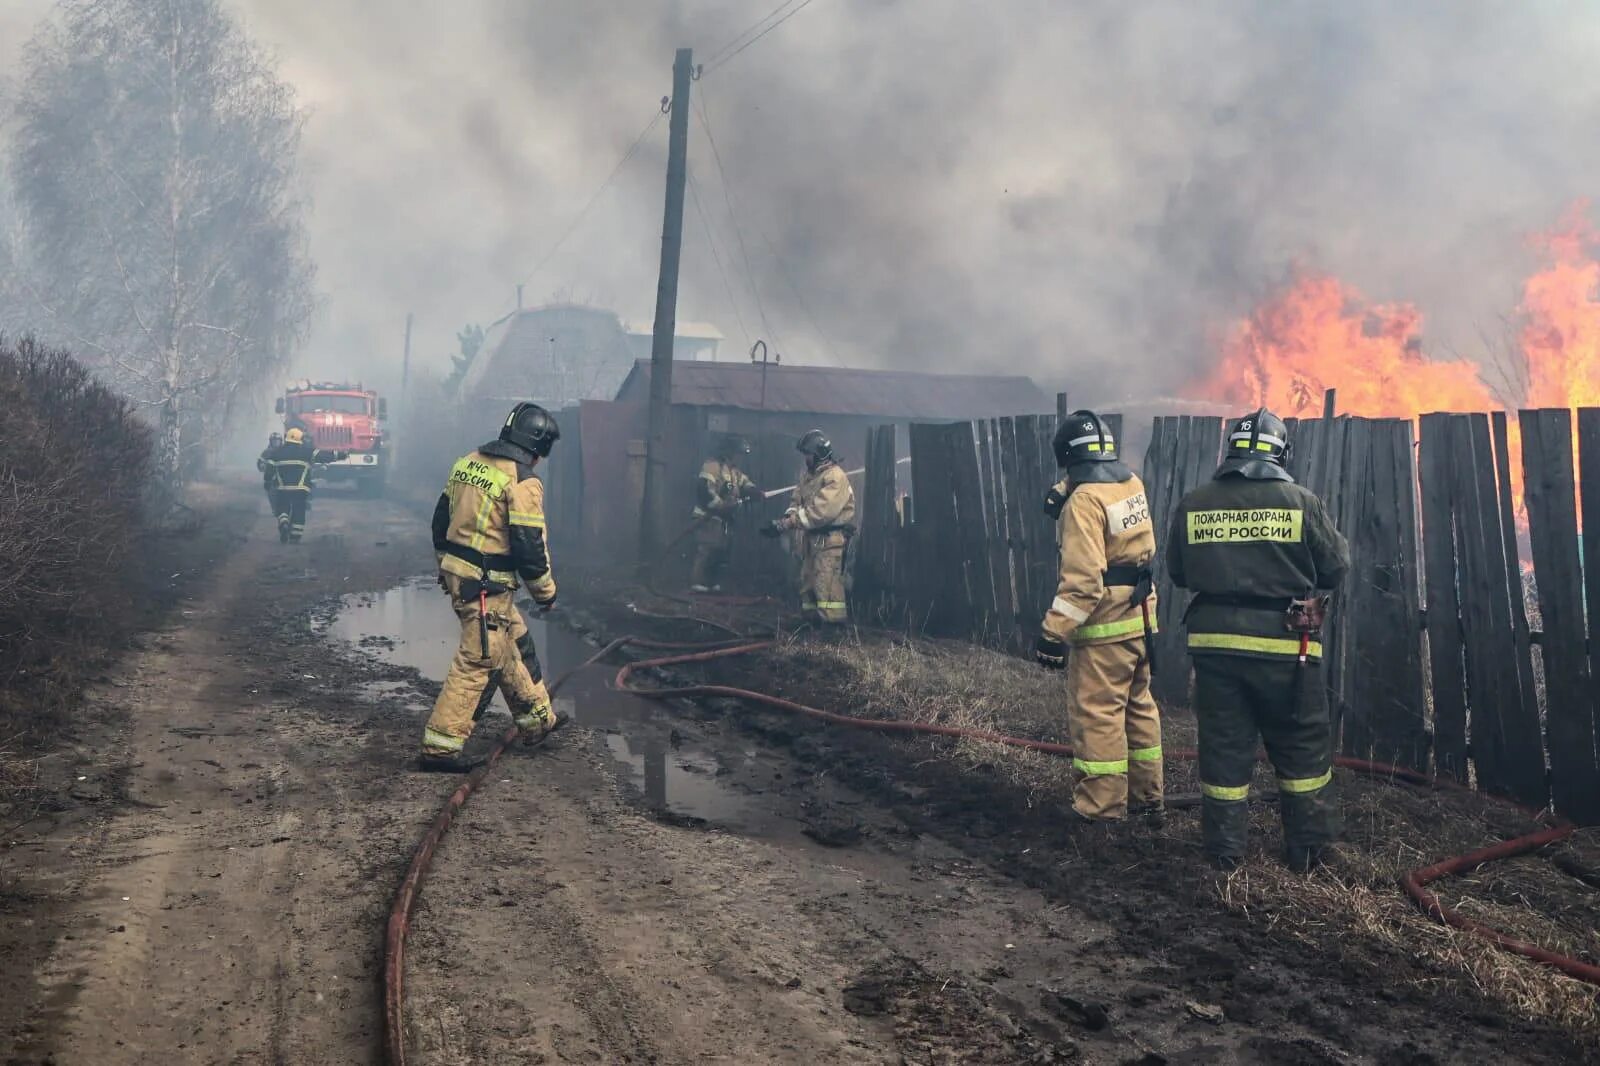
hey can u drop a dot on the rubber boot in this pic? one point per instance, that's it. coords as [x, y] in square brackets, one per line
[283, 529]
[1149, 815]
[432, 763]
[1224, 830]
[1310, 823]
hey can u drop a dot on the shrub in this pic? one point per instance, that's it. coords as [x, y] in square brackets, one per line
[75, 463]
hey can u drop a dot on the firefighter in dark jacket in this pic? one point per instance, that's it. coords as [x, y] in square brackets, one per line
[719, 491]
[1104, 610]
[489, 534]
[1260, 554]
[289, 468]
[269, 476]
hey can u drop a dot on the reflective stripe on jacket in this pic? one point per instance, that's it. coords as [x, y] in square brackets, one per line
[1104, 524]
[1245, 547]
[823, 500]
[490, 522]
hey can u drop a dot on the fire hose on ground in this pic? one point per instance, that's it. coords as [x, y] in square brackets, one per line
[1414, 882]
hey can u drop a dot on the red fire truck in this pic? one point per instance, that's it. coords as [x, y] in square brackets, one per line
[341, 417]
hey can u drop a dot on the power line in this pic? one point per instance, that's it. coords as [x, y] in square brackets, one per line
[720, 61]
[746, 32]
[705, 221]
[595, 197]
[738, 231]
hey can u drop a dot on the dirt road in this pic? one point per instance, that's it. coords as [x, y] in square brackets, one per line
[651, 887]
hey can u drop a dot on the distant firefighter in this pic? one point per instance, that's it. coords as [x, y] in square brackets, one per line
[489, 535]
[1104, 609]
[1260, 554]
[290, 480]
[269, 476]
[822, 512]
[719, 491]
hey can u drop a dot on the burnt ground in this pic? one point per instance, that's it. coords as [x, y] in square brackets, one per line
[690, 883]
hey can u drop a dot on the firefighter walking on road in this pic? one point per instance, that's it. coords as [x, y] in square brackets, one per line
[822, 512]
[269, 476]
[719, 491]
[1260, 553]
[1104, 610]
[286, 474]
[489, 534]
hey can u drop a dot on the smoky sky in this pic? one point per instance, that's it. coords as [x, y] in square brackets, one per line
[1085, 192]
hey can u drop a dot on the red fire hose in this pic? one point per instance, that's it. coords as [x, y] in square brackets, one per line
[1413, 882]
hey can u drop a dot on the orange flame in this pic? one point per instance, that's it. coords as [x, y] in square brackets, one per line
[1560, 334]
[1317, 334]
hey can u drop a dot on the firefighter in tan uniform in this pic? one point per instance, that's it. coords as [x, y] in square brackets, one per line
[489, 533]
[822, 512]
[719, 490]
[1105, 610]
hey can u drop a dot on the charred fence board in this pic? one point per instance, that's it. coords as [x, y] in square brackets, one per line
[1589, 464]
[935, 510]
[875, 571]
[1042, 568]
[1445, 640]
[1384, 716]
[1189, 459]
[1016, 535]
[976, 605]
[1500, 726]
[1521, 639]
[1549, 491]
[1004, 622]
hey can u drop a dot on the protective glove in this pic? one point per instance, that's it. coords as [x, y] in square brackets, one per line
[1050, 652]
[547, 607]
[1054, 501]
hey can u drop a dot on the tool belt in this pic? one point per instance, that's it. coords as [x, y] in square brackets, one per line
[1307, 615]
[473, 557]
[473, 587]
[1236, 599]
[1126, 574]
[849, 530]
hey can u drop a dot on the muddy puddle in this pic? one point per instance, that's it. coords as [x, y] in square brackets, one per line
[412, 626]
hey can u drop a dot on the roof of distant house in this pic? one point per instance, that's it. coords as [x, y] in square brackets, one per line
[844, 390]
[696, 331]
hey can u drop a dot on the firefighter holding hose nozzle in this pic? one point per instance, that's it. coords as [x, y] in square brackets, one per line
[489, 534]
[823, 511]
[1105, 610]
[720, 490]
[1260, 554]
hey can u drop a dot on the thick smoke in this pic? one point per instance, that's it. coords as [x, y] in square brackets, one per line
[1084, 192]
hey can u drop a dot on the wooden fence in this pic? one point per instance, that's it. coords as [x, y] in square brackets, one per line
[1432, 658]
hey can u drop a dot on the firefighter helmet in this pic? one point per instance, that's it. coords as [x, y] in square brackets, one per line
[815, 446]
[531, 428]
[1083, 438]
[1257, 447]
[732, 446]
[295, 435]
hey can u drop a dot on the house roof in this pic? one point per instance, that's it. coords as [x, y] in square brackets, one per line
[844, 390]
[696, 331]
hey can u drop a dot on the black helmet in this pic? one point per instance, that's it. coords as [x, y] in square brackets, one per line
[815, 447]
[1083, 438]
[1257, 447]
[732, 446]
[531, 428]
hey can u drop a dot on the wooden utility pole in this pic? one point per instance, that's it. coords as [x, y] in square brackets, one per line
[652, 518]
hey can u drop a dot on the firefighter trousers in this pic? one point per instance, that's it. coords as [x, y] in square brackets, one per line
[1238, 699]
[511, 667]
[713, 544]
[291, 505]
[822, 593]
[1115, 727]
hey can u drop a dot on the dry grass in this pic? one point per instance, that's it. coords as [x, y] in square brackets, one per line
[1356, 904]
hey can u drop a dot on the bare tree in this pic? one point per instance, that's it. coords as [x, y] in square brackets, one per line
[154, 165]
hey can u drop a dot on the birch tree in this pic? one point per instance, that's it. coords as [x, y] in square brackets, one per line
[154, 168]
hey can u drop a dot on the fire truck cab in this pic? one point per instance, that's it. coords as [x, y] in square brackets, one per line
[344, 417]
